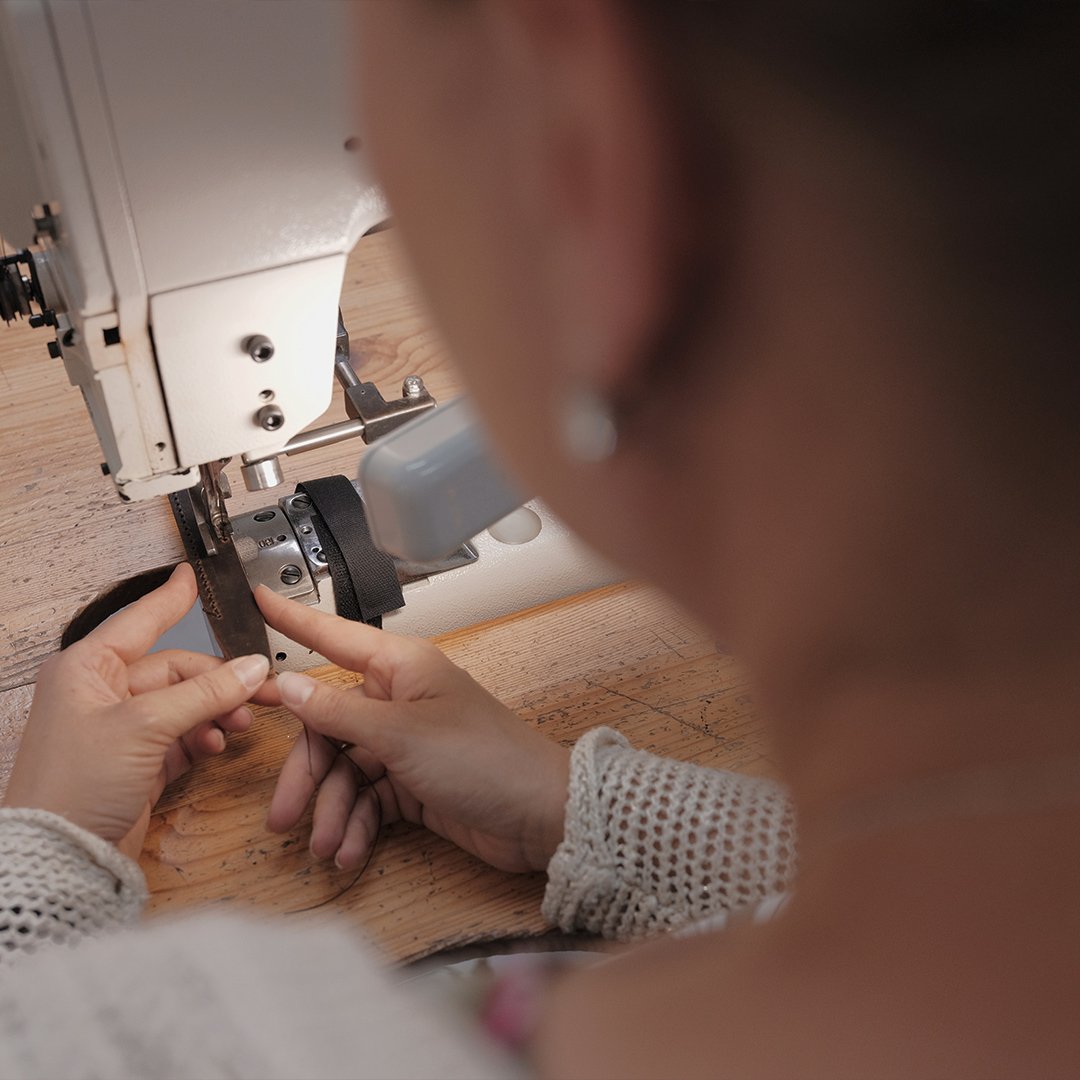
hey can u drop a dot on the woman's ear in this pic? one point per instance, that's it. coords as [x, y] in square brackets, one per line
[612, 182]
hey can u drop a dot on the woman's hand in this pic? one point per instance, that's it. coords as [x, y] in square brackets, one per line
[441, 750]
[110, 726]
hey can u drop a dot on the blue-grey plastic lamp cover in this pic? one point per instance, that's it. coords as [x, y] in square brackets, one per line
[433, 484]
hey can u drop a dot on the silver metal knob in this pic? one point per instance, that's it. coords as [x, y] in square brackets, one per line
[262, 475]
[259, 347]
[270, 417]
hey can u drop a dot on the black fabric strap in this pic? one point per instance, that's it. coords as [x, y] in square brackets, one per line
[365, 578]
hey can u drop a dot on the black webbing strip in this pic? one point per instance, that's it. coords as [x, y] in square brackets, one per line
[365, 578]
[345, 602]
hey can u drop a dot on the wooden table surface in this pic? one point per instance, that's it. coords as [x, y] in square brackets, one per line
[623, 656]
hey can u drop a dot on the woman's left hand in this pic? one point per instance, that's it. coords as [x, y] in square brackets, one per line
[110, 726]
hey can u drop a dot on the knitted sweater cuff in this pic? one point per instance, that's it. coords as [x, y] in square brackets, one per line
[584, 890]
[60, 883]
[651, 844]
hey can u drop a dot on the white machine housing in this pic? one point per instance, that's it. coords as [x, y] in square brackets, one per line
[208, 180]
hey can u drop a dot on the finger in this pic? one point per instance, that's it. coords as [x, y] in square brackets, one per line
[239, 720]
[342, 714]
[360, 831]
[175, 710]
[305, 768]
[348, 644]
[156, 670]
[132, 631]
[268, 693]
[206, 741]
[332, 805]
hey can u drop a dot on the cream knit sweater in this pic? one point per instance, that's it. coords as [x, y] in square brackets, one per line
[650, 844]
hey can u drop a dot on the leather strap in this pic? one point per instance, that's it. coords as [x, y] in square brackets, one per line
[227, 600]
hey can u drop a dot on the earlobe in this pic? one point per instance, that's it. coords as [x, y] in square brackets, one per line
[588, 433]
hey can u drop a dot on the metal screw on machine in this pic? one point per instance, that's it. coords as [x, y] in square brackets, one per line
[290, 574]
[259, 347]
[412, 387]
[270, 417]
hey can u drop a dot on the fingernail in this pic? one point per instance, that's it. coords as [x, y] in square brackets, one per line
[251, 670]
[295, 688]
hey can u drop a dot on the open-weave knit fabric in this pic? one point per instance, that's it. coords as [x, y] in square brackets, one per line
[59, 883]
[651, 844]
[215, 997]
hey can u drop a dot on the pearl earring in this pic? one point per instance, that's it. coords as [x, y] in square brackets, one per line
[589, 434]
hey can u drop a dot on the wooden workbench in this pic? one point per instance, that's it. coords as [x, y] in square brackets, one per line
[622, 656]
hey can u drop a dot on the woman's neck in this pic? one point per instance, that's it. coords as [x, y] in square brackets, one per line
[875, 730]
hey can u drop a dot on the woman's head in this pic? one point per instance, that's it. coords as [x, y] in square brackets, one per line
[818, 255]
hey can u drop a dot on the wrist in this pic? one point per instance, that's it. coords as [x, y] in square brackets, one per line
[551, 821]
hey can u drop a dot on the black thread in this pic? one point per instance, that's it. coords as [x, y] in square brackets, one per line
[367, 784]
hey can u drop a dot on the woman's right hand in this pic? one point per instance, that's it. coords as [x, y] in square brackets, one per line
[441, 751]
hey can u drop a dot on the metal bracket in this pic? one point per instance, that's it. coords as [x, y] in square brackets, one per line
[365, 402]
[370, 417]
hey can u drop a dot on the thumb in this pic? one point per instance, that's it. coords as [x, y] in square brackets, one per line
[339, 714]
[179, 708]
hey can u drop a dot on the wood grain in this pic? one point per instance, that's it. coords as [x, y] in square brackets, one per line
[623, 656]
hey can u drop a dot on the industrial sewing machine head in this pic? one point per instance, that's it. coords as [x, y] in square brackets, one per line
[199, 182]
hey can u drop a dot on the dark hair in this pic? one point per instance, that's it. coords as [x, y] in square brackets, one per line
[982, 97]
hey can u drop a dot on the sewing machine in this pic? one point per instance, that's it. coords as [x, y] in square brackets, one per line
[199, 179]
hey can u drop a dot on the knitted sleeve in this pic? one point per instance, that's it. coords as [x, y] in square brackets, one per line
[59, 883]
[215, 996]
[651, 843]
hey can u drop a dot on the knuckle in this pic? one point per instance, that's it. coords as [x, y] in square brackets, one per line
[140, 712]
[335, 708]
[410, 650]
[211, 694]
[381, 669]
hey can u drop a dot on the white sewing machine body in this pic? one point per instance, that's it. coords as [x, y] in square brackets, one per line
[203, 158]
[202, 181]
